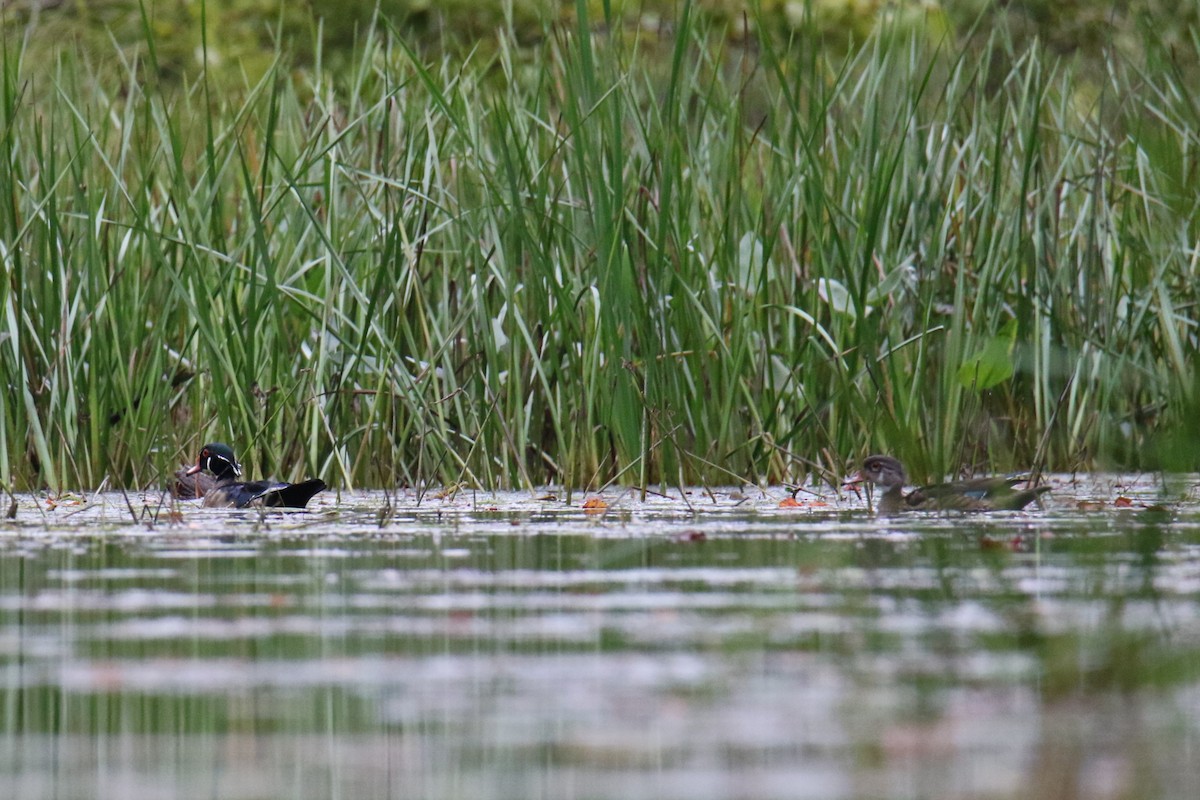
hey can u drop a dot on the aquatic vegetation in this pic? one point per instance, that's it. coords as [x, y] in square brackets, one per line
[600, 258]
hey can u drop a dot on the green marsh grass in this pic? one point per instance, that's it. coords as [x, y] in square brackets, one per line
[608, 256]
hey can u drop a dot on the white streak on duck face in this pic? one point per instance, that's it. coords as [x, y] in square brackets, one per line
[218, 459]
[979, 494]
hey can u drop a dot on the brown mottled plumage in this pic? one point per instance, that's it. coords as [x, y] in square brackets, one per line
[190, 487]
[980, 494]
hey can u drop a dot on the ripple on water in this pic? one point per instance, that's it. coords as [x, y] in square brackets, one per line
[506, 646]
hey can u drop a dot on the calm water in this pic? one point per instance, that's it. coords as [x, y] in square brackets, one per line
[513, 646]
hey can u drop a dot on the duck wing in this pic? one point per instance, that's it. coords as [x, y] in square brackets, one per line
[290, 495]
[980, 494]
[273, 494]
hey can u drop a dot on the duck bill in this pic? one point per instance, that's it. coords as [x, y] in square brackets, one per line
[854, 484]
[193, 469]
[854, 480]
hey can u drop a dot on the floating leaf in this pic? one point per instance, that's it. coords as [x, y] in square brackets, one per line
[594, 505]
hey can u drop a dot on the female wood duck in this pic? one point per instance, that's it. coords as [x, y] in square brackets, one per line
[226, 491]
[185, 486]
[980, 494]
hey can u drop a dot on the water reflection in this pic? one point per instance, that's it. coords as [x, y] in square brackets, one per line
[518, 649]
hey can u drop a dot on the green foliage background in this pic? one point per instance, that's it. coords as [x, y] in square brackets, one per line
[244, 35]
[579, 244]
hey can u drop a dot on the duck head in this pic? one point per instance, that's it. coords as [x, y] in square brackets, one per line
[218, 459]
[883, 471]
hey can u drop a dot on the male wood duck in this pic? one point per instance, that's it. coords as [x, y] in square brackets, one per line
[228, 492]
[979, 494]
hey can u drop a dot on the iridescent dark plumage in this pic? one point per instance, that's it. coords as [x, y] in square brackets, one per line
[227, 491]
[980, 494]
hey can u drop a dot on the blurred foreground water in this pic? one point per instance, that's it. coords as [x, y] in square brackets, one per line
[515, 646]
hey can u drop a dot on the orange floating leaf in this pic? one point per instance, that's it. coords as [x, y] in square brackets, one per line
[594, 505]
[790, 502]
[1122, 502]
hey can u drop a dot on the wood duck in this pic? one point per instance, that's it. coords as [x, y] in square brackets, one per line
[185, 486]
[228, 492]
[980, 494]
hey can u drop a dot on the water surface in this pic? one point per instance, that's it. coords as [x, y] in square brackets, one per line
[710, 645]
